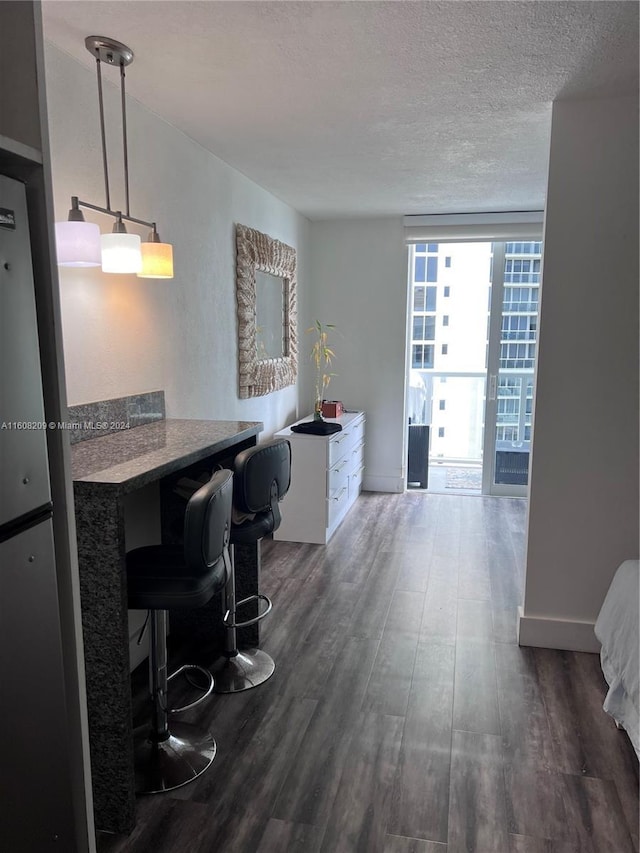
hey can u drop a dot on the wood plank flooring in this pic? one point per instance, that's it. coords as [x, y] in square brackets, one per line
[402, 716]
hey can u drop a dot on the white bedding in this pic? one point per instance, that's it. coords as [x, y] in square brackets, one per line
[617, 629]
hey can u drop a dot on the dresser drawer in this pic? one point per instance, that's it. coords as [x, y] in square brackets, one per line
[344, 442]
[355, 482]
[356, 457]
[338, 501]
[339, 445]
[357, 427]
[339, 474]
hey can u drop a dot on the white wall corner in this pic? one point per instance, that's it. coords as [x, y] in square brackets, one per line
[545, 633]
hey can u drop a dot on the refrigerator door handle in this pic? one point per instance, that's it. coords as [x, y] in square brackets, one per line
[24, 522]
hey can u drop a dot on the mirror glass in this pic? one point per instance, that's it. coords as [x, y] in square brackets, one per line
[270, 296]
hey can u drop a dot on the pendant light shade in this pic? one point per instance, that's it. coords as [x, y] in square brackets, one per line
[77, 241]
[78, 244]
[121, 251]
[157, 258]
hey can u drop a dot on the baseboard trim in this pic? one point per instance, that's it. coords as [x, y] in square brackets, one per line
[544, 633]
[374, 483]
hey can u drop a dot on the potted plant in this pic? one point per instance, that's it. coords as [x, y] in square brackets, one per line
[321, 356]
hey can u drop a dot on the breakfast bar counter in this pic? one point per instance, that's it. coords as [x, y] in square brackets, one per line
[131, 458]
[105, 470]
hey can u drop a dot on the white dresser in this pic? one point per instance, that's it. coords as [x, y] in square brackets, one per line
[326, 478]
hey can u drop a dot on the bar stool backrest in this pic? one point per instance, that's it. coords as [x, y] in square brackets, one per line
[262, 476]
[207, 524]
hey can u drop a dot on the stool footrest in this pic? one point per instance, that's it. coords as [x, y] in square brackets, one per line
[208, 690]
[229, 620]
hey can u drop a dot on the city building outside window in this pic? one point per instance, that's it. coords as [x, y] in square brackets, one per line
[433, 268]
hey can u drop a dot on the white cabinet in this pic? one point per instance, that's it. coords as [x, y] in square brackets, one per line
[326, 478]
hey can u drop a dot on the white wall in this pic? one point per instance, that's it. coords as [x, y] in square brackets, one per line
[124, 335]
[583, 514]
[359, 283]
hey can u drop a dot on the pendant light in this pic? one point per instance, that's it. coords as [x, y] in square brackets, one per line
[157, 258]
[78, 242]
[120, 250]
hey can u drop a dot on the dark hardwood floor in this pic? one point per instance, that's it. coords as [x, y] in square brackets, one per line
[402, 716]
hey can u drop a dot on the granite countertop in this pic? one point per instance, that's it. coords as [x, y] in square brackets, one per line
[130, 458]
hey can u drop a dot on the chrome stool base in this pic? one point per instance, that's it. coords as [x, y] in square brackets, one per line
[247, 669]
[174, 762]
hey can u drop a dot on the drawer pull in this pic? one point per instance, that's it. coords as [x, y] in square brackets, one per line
[340, 467]
[340, 494]
[345, 434]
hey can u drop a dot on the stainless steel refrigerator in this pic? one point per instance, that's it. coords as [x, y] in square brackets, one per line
[36, 811]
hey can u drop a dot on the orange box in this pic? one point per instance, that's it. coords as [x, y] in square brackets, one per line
[332, 408]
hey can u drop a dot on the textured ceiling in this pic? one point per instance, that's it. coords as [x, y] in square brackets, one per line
[368, 108]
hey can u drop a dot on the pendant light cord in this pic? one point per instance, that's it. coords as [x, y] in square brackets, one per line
[124, 140]
[105, 166]
[103, 137]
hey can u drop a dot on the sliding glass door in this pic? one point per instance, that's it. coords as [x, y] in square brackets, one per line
[512, 349]
[473, 335]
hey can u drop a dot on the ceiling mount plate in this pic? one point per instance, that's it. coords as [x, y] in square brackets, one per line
[109, 50]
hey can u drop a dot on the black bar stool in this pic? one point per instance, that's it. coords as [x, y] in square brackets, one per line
[166, 576]
[261, 479]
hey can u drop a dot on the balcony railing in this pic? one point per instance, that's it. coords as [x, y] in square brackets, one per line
[457, 429]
